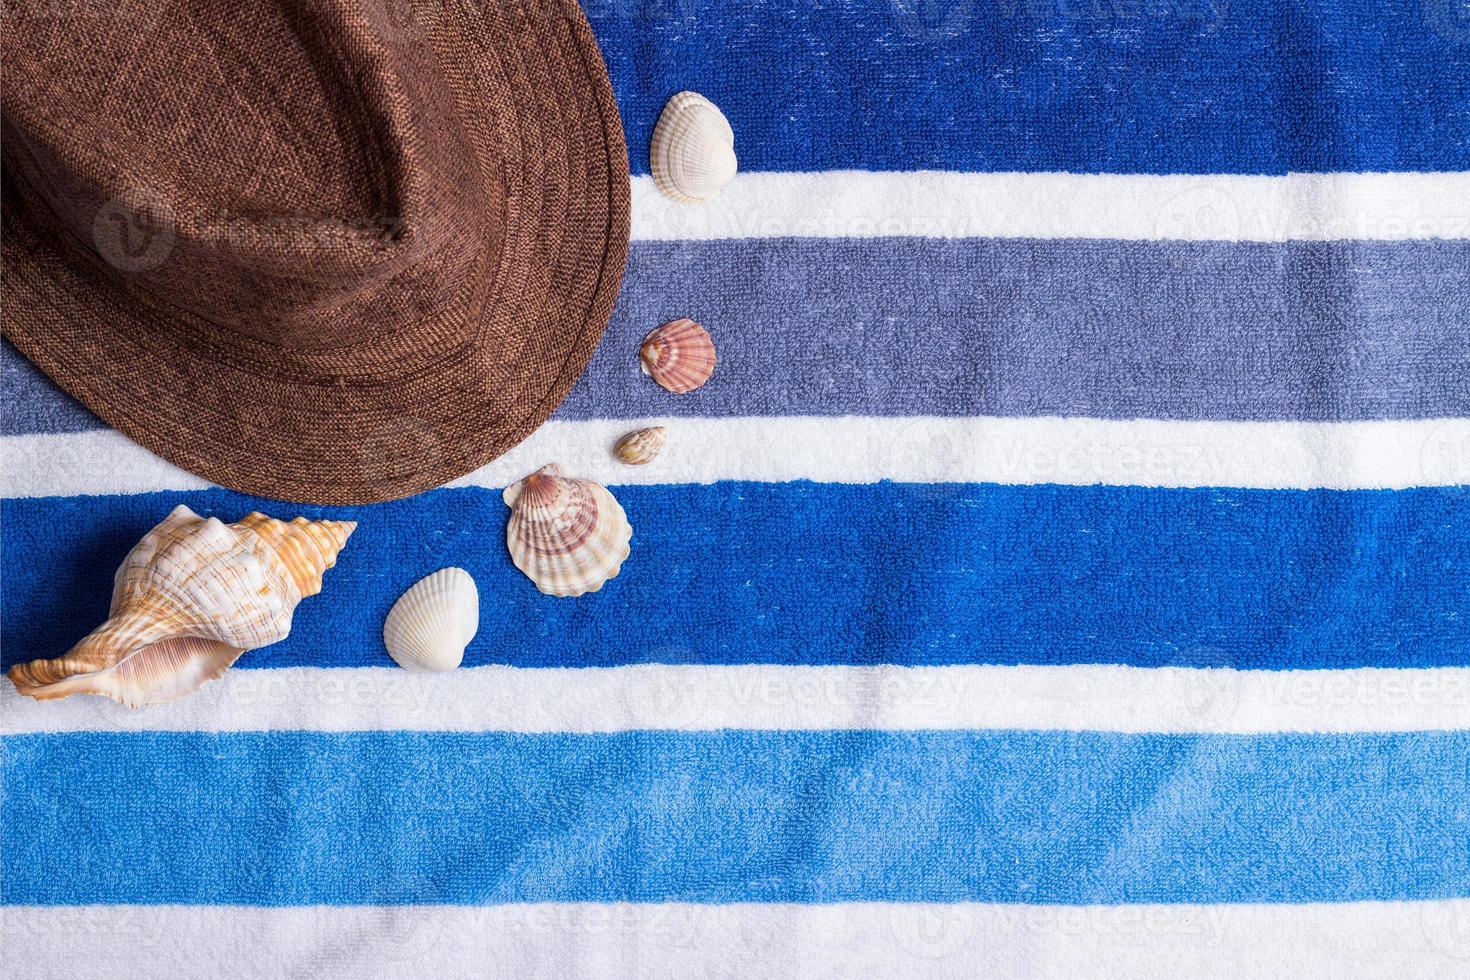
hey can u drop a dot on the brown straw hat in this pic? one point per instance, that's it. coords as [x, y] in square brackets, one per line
[338, 252]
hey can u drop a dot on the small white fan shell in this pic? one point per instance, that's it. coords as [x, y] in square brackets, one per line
[692, 154]
[430, 625]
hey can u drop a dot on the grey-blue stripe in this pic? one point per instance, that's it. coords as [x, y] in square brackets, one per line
[1107, 329]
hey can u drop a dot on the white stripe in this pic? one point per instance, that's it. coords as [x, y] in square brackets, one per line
[941, 204]
[562, 941]
[1266, 455]
[657, 696]
[69, 464]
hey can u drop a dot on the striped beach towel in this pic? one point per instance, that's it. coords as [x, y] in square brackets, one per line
[1065, 573]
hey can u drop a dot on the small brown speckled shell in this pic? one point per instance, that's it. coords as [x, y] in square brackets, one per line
[569, 536]
[680, 356]
[637, 448]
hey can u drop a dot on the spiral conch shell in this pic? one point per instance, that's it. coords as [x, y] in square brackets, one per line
[680, 356]
[692, 154]
[569, 536]
[640, 447]
[189, 598]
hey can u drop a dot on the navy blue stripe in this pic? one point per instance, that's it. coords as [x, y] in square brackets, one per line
[803, 573]
[1176, 86]
[30, 402]
[1105, 329]
[736, 816]
[1190, 330]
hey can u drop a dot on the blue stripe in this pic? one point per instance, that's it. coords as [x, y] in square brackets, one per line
[735, 816]
[1178, 330]
[807, 573]
[1190, 330]
[1178, 86]
[33, 403]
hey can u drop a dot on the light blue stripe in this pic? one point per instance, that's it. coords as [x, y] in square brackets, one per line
[1131, 86]
[906, 326]
[803, 573]
[737, 816]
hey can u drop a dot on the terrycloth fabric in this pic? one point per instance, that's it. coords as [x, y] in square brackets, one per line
[736, 816]
[1065, 572]
[969, 573]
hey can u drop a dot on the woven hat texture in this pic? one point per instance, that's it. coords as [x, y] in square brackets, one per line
[337, 252]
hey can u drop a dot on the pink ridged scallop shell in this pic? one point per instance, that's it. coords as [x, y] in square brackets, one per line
[680, 356]
[568, 536]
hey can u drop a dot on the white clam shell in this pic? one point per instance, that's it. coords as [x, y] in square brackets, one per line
[430, 625]
[692, 154]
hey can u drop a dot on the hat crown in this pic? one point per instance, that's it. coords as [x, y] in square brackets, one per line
[272, 170]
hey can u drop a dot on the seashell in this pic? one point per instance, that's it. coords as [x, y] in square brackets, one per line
[692, 154]
[637, 448]
[569, 536]
[430, 625]
[680, 356]
[189, 598]
[163, 671]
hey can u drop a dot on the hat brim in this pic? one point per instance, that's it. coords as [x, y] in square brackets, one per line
[404, 412]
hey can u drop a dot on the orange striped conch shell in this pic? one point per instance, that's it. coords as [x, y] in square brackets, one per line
[568, 536]
[189, 598]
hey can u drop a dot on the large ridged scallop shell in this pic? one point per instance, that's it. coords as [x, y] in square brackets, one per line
[430, 625]
[637, 448]
[692, 154]
[680, 356]
[189, 598]
[569, 536]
